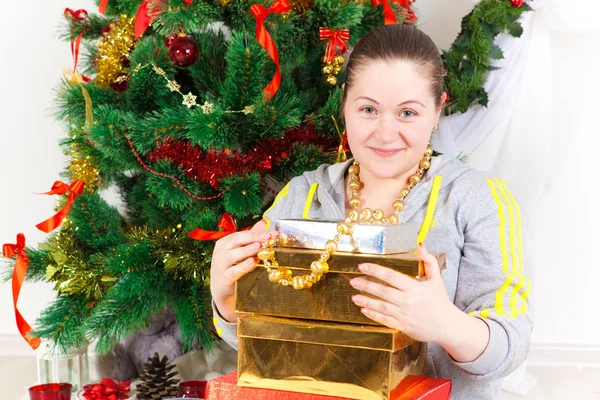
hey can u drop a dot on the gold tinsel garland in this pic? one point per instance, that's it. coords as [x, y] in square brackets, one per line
[82, 168]
[70, 270]
[113, 50]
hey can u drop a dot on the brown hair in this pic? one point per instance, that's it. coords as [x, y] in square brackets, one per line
[397, 42]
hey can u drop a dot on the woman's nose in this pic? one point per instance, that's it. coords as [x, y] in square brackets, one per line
[388, 128]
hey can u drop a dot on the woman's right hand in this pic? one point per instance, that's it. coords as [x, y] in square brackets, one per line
[234, 256]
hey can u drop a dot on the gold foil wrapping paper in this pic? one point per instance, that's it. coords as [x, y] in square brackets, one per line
[354, 361]
[327, 300]
[372, 239]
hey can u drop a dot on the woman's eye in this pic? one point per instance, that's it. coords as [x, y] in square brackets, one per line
[407, 113]
[368, 110]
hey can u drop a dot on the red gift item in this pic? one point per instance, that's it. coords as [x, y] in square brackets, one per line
[416, 387]
[419, 387]
[107, 389]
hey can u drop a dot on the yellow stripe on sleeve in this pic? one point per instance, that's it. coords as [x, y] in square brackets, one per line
[517, 289]
[433, 198]
[499, 304]
[280, 195]
[513, 246]
[309, 199]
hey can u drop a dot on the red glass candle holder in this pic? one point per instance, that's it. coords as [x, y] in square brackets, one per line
[51, 391]
[192, 390]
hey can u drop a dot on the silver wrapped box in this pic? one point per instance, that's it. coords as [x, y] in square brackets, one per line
[366, 239]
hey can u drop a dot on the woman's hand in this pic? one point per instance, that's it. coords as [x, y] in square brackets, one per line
[421, 309]
[233, 257]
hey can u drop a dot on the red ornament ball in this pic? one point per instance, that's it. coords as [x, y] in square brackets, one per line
[516, 3]
[184, 51]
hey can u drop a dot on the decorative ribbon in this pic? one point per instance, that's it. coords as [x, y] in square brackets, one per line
[343, 147]
[75, 188]
[76, 78]
[102, 6]
[266, 41]
[107, 389]
[226, 223]
[335, 39]
[388, 14]
[79, 15]
[21, 265]
[148, 11]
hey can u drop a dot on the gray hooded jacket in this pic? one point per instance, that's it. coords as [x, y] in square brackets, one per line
[477, 223]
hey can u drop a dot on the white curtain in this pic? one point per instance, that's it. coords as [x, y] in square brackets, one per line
[537, 133]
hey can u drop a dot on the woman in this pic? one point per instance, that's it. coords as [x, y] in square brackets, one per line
[474, 316]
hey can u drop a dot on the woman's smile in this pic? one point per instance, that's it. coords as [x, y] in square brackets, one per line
[383, 152]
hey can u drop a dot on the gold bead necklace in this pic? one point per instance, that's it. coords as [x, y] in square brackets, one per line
[283, 275]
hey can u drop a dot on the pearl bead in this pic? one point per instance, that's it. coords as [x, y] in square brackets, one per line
[317, 267]
[354, 169]
[298, 283]
[366, 214]
[331, 247]
[342, 228]
[429, 151]
[424, 164]
[378, 215]
[398, 205]
[274, 275]
[404, 193]
[414, 179]
[354, 215]
[354, 202]
[265, 254]
[393, 219]
[354, 185]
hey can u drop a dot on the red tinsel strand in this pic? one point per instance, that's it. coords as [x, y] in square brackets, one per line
[210, 167]
[163, 175]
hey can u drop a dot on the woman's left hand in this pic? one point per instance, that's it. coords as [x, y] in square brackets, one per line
[421, 309]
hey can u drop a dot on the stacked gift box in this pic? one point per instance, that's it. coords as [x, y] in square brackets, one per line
[315, 340]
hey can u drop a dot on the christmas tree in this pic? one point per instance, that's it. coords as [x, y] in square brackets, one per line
[199, 111]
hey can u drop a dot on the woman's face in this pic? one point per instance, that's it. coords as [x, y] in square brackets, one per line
[389, 113]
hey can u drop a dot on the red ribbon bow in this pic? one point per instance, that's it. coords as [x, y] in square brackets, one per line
[107, 389]
[79, 15]
[336, 39]
[102, 6]
[75, 189]
[266, 41]
[388, 14]
[148, 11]
[21, 265]
[226, 223]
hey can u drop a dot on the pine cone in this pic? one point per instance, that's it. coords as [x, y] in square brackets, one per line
[157, 380]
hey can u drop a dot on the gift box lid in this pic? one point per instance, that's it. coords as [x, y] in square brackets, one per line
[321, 332]
[372, 239]
[407, 263]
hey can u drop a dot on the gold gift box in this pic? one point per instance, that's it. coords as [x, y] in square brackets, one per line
[327, 300]
[326, 358]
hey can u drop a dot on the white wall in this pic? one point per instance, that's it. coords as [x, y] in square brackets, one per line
[31, 61]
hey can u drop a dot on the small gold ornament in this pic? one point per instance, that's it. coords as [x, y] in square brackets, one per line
[365, 216]
[327, 70]
[331, 80]
[189, 100]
